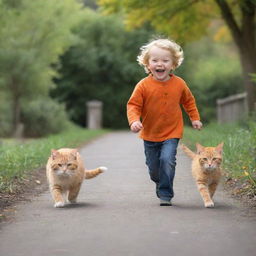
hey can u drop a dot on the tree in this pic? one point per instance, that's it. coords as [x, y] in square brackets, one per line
[33, 34]
[101, 66]
[187, 20]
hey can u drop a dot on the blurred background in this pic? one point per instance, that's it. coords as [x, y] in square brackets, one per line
[57, 55]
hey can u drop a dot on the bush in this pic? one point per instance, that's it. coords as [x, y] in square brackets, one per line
[102, 66]
[42, 117]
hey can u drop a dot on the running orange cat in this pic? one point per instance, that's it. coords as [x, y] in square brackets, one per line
[65, 173]
[206, 169]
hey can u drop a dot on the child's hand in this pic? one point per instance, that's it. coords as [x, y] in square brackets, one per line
[136, 126]
[197, 125]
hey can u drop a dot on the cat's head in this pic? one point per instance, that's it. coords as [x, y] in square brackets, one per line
[64, 163]
[210, 158]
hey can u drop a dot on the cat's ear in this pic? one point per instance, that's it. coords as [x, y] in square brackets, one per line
[74, 153]
[199, 148]
[219, 148]
[54, 153]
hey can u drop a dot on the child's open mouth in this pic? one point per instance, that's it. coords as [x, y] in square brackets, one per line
[160, 70]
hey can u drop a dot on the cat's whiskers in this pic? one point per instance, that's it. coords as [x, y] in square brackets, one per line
[210, 167]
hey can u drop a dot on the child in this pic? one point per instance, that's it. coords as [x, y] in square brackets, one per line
[156, 101]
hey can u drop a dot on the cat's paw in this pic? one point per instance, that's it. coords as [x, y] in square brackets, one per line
[209, 204]
[72, 201]
[59, 204]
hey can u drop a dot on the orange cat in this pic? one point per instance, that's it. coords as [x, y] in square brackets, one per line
[206, 169]
[65, 173]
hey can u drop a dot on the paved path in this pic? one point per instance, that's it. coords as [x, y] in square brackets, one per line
[119, 215]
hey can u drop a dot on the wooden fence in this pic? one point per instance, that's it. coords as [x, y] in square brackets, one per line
[232, 108]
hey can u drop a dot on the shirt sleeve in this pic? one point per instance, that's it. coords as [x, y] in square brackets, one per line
[189, 104]
[135, 104]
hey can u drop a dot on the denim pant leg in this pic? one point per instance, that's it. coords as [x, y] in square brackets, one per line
[152, 152]
[167, 168]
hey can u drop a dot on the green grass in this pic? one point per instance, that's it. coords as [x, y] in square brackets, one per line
[18, 158]
[239, 148]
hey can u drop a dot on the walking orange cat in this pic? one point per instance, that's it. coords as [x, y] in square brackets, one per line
[65, 173]
[206, 169]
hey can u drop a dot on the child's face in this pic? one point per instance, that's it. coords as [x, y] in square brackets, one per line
[160, 63]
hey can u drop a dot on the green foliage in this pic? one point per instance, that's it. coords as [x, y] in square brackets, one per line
[18, 158]
[253, 77]
[42, 117]
[102, 66]
[5, 116]
[212, 71]
[182, 20]
[32, 36]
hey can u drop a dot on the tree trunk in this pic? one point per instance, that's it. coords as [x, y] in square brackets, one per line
[16, 109]
[16, 113]
[244, 37]
[248, 61]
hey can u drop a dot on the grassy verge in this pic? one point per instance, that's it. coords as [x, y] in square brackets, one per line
[18, 158]
[239, 151]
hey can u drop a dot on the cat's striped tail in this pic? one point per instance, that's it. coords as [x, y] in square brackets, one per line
[89, 174]
[190, 153]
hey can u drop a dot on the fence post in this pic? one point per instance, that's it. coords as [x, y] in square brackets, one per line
[19, 132]
[94, 114]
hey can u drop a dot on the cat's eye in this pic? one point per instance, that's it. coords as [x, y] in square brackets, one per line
[69, 164]
[60, 165]
[214, 159]
[205, 159]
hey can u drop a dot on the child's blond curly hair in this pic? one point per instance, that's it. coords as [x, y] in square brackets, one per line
[167, 44]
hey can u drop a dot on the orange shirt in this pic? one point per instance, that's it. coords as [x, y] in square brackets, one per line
[157, 105]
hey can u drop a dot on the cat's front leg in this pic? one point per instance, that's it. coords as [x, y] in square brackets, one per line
[212, 189]
[57, 196]
[73, 193]
[203, 189]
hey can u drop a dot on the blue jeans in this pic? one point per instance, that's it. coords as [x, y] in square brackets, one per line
[161, 162]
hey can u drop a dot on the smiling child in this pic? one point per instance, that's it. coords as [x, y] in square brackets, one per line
[154, 110]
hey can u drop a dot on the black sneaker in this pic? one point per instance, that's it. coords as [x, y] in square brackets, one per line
[165, 203]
